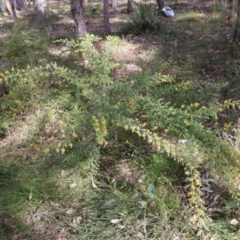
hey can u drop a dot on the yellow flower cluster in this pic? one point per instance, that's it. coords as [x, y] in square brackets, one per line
[74, 135]
[186, 122]
[227, 126]
[196, 104]
[96, 124]
[61, 148]
[100, 128]
[62, 124]
[116, 106]
[86, 93]
[131, 102]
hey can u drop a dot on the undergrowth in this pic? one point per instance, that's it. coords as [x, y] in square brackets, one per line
[106, 157]
[144, 19]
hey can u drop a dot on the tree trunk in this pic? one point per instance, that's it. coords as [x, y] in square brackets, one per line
[78, 15]
[20, 4]
[230, 10]
[129, 6]
[40, 8]
[160, 4]
[114, 4]
[107, 26]
[11, 6]
[236, 35]
[2, 89]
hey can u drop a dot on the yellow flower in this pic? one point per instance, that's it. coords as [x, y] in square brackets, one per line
[97, 129]
[194, 218]
[196, 104]
[198, 182]
[74, 135]
[37, 149]
[46, 151]
[150, 140]
[186, 123]
[62, 150]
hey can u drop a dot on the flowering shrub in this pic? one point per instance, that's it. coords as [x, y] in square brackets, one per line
[86, 112]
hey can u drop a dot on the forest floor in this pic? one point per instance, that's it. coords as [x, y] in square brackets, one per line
[46, 197]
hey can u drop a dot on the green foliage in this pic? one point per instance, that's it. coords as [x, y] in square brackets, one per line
[144, 18]
[93, 10]
[90, 110]
[18, 47]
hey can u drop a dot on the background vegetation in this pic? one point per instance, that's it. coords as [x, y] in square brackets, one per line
[130, 136]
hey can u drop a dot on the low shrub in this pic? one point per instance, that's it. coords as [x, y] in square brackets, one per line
[144, 18]
[93, 112]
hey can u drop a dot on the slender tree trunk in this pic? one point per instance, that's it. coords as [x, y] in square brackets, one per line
[2, 89]
[114, 4]
[129, 6]
[107, 26]
[11, 6]
[40, 8]
[160, 4]
[236, 35]
[230, 10]
[78, 15]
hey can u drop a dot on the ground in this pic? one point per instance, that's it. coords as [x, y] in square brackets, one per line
[54, 197]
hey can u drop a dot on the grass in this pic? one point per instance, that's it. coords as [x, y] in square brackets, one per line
[52, 193]
[190, 17]
[57, 196]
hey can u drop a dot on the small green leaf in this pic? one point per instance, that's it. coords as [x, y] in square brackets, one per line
[233, 204]
[151, 190]
[4, 126]
[143, 204]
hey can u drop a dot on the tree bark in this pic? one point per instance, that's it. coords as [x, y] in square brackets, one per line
[230, 10]
[236, 35]
[2, 89]
[78, 15]
[160, 4]
[107, 26]
[129, 6]
[114, 4]
[11, 6]
[40, 8]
